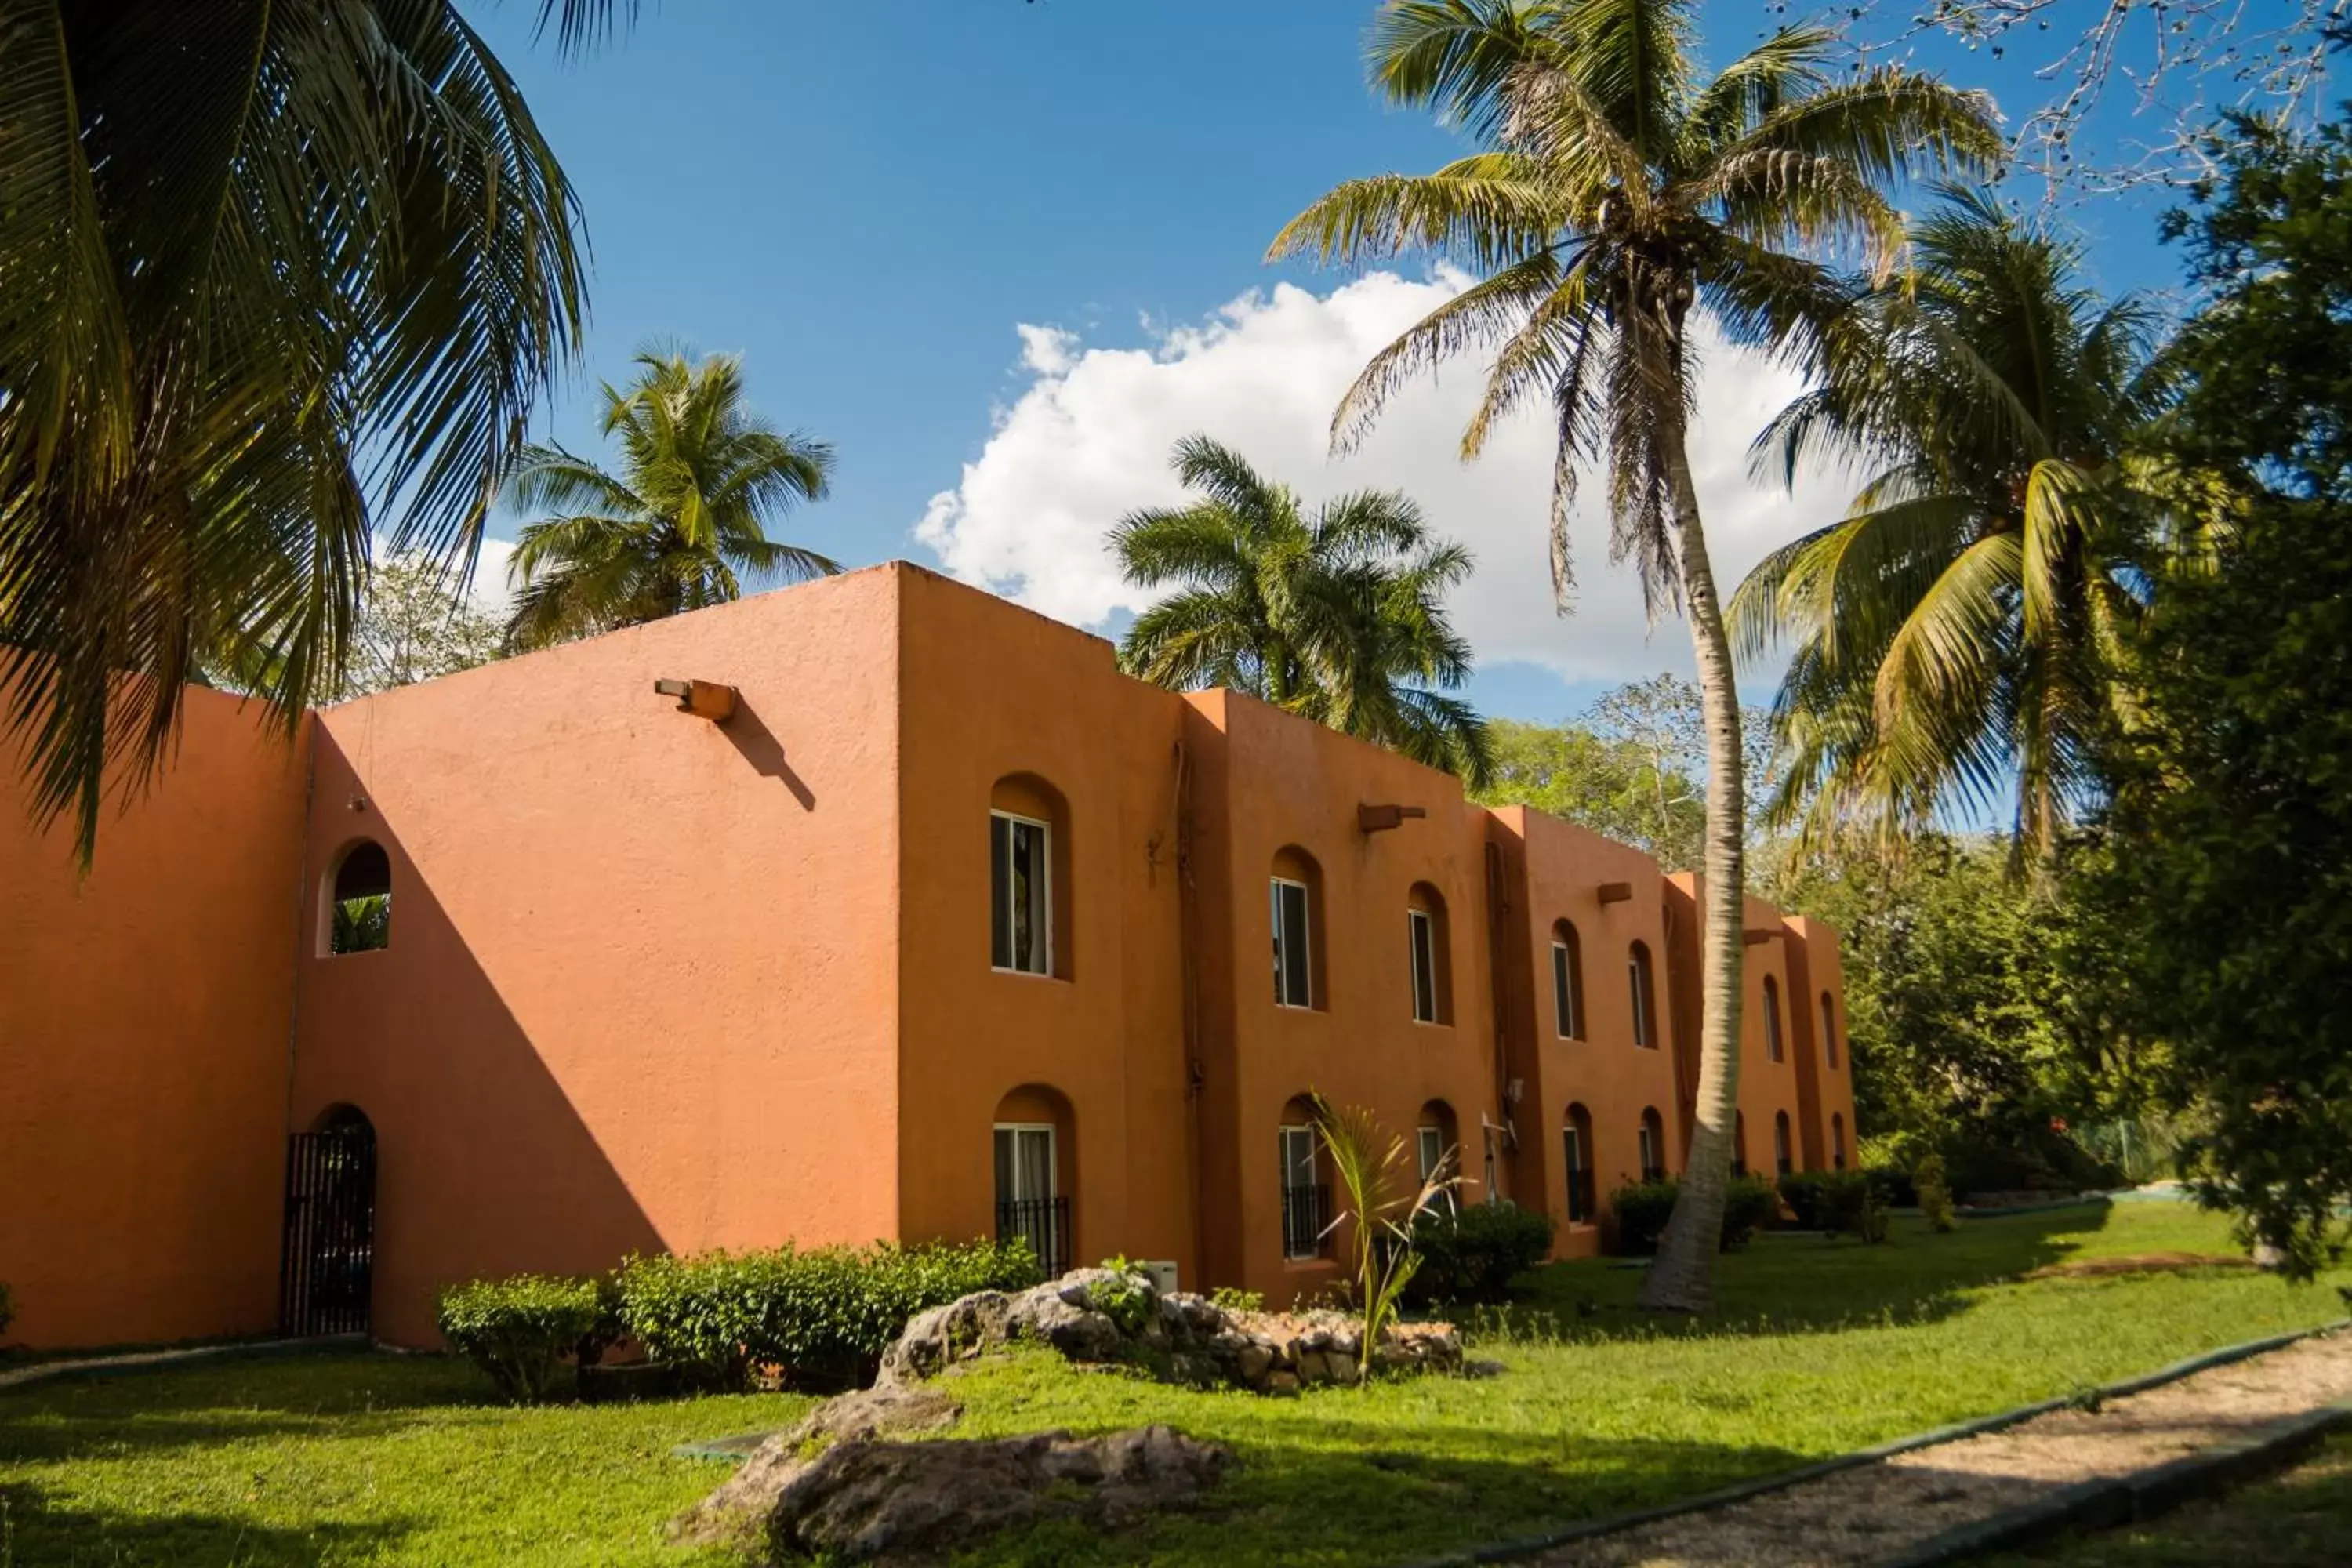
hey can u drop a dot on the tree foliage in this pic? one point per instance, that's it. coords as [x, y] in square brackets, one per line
[684, 522]
[416, 622]
[2223, 871]
[274, 279]
[1617, 189]
[1339, 615]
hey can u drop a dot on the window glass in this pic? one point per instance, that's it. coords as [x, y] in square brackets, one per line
[1772, 1018]
[1424, 966]
[1290, 939]
[1829, 1029]
[1431, 1149]
[1020, 879]
[1637, 973]
[1563, 995]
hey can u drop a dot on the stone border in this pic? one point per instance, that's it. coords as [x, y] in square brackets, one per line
[143, 1360]
[1722, 1497]
[2106, 1504]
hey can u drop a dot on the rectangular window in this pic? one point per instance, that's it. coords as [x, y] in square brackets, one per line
[1025, 1163]
[1580, 1180]
[1302, 1197]
[1563, 993]
[1424, 965]
[1291, 967]
[1430, 1147]
[1638, 981]
[1021, 877]
[1829, 1029]
[1651, 1168]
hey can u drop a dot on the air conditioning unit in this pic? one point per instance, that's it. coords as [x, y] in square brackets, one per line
[1161, 1273]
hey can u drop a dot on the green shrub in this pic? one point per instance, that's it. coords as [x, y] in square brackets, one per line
[519, 1330]
[1125, 1298]
[824, 1315]
[1232, 1298]
[1935, 1194]
[1641, 1210]
[1801, 1192]
[1893, 1185]
[1472, 1253]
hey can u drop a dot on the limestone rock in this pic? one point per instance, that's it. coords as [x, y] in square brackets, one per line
[860, 1500]
[733, 1512]
[957, 1331]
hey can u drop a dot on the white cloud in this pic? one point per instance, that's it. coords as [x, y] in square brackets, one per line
[1088, 439]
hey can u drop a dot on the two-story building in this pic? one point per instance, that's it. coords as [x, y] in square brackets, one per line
[914, 919]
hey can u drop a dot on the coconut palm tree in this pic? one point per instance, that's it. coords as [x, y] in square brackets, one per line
[1618, 195]
[682, 526]
[1953, 632]
[273, 277]
[1339, 616]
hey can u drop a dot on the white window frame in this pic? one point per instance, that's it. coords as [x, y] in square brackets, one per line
[1646, 1143]
[1637, 980]
[1281, 997]
[1045, 944]
[1429, 1148]
[1421, 936]
[1053, 1160]
[1563, 992]
[1573, 1154]
[1295, 1133]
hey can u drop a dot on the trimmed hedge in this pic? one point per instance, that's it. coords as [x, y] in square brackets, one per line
[822, 1316]
[1472, 1253]
[1641, 1209]
[1836, 1201]
[519, 1330]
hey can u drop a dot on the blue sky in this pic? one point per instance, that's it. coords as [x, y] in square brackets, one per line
[868, 200]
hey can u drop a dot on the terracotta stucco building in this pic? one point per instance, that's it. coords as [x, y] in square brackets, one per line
[948, 928]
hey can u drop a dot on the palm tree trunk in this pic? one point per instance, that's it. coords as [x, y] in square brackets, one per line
[1682, 1278]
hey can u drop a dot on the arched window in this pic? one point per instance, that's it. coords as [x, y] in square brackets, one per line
[1653, 1146]
[1772, 1048]
[1837, 1141]
[1739, 1143]
[1306, 1188]
[1034, 1139]
[1782, 1163]
[1029, 877]
[359, 901]
[1297, 910]
[1437, 1149]
[1567, 980]
[1644, 992]
[1829, 1028]
[1576, 1160]
[1430, 953]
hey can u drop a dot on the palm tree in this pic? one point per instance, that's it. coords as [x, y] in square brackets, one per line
[1953, 632]
[1339, 616]
[273, 277]
[1618, 194]
[704, 476]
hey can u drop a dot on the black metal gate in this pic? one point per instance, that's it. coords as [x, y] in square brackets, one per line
[327, 1267]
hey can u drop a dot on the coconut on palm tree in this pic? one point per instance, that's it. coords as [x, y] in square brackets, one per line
[1339, 615]
[1952, 634]
[1619, 196]
[273, 278]
[683, 525]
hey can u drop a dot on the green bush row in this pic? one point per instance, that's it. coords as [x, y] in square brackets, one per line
[1472, 1253]
[820, 1315]
[1837, 1200]
[1641, 1210]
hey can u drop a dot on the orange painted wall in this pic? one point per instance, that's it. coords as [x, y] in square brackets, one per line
[1823, 1092]
[1561, 869]
[640, 991]
[991, 692]
[1271, 780]
[143, 1017]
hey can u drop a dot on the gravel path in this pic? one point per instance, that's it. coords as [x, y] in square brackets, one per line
[1868, 1514]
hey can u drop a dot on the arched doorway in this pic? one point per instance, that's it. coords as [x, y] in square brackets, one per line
[326, 1271]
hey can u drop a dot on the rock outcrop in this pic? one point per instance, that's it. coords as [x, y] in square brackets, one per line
[861, 1500]
[1096, 1315]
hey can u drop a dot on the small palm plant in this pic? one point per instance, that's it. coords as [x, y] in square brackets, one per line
[1365, 1162]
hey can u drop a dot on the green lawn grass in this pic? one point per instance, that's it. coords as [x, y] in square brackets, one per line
[1817, 1347]
[2302, 1519]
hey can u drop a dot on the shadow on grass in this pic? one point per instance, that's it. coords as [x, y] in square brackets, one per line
[1351, 1498]
[37, 1529]
[1801, 1284]
[317, 1398]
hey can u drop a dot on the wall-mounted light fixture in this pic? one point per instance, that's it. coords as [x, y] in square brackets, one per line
[1381, 819]
[707, 697]
[1616, 892]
